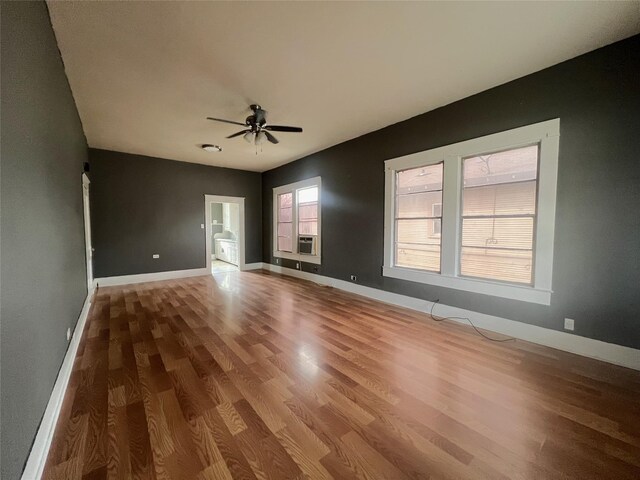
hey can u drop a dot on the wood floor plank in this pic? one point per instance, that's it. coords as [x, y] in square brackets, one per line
[261, 376]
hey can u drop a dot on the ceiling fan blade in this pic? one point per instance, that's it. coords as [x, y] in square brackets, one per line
[270, 137]
[226, 121]
[281, 128]
[239, 133]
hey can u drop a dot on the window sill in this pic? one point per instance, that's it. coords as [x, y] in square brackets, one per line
[485, 287]
[315, 259]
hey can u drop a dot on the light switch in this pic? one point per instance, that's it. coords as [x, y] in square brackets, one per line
[156, 255]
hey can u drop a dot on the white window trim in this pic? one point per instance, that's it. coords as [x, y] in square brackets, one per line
[293, 188]
[547, 134]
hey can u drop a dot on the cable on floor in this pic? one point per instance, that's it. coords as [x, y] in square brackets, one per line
[440, 319]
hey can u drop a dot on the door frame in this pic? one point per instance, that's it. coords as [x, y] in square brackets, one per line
[208, 200]
[88, 246]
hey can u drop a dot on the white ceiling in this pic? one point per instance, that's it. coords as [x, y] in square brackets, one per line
[146, 74]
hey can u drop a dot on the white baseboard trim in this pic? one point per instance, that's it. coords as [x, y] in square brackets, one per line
[587, 347]
[40, 448]
[150, 277]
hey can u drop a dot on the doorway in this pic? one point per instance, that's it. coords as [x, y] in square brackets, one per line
[225, 243]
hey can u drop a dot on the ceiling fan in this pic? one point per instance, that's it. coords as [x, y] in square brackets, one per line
[257, 130]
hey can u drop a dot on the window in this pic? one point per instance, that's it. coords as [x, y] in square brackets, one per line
[297, 213]
[308, 211]
[285, 222]
[477, 215]
[499, 215]
[418, 191]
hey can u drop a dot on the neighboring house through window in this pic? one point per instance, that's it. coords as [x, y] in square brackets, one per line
[436, 212]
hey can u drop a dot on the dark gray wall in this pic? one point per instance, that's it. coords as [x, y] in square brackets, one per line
[596, 277]
[144, 205]
[43, 264]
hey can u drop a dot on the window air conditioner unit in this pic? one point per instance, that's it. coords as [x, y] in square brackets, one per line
[307, 244]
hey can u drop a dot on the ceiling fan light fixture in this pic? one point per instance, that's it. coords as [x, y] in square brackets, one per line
[257, 130]
[211, 148]
[261, 137]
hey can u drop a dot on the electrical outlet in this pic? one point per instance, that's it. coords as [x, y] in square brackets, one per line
[68, 334]
[298, 265]
[277, 261]
[202, 226]
[156, 255]
[569, 324]
[353, 278]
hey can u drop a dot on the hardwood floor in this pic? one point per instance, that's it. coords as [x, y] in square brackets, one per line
[255, 375]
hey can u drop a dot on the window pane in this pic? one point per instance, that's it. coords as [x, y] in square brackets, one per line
[505, 199]
[500, 232]
[417, 231]
[285, 244]
[308, 212]
[285, 217]
[419, 205]
[502, 167]
[308, 195]
[286, 200]
[418, 200]
[421, 179]
[308, 228]
[505, 265]
[285, 232]
[285, 229]
[308, 219]
[285, 214]
[423, 257]
[498, 215]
